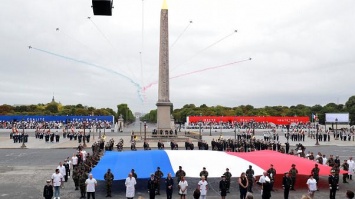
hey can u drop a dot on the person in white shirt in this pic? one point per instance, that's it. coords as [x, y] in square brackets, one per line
[90, 183]
[351, 168]
[57, 180]
[263, 180]
[130, 186]
[74, 160]
[62, 171]
[83, 155]
[325, 160]
[202, 185]
[183, 187]
[312, 186]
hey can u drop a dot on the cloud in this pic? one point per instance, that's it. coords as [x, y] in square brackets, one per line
[302, 52]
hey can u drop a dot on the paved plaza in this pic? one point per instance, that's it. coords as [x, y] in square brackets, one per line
[23, 172]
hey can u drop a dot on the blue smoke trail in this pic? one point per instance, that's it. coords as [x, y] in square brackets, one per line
[139, 88]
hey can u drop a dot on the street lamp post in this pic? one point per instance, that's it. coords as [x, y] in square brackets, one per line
[140, 129]
[84, 137]
[23, 135]
[336, 128]
[288, 133]
[104, 129]
[253, 128]
[317, 128]
[100, 127]
[145, 130]
[235, 131]
[210, 128]
[200, 135]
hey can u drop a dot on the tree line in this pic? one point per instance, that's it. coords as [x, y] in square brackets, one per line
[54, 108]
[249, 110]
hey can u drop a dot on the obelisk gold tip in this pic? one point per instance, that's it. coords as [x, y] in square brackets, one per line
[165, 5]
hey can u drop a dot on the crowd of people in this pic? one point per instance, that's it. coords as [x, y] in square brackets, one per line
[76, 124]
[77, 167]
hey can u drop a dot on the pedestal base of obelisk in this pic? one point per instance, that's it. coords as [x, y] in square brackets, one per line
[164, 116]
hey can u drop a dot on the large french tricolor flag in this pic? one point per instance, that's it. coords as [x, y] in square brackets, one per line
[192, 161]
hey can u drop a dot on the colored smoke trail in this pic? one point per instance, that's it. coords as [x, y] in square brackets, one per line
[96, 66]
[197, 71]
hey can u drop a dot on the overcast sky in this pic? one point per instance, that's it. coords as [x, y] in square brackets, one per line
[302, 52]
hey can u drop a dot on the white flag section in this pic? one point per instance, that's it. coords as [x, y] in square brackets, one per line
[215, 162]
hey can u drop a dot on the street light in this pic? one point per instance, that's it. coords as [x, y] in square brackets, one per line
[200, 124]
[145, 130]
[336, 128]
[210, 128]
[317, 127]
[235, 131]
[84, 137]
[100, 127]
[23, 135]
[140, 129]
[288, 132]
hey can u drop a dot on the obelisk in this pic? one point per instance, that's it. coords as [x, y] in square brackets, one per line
[164, 105]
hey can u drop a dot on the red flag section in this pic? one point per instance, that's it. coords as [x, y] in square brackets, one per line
[261, 119]
[282, 162]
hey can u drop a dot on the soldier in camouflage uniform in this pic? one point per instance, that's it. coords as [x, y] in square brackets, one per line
[293, 173]
[204, 173]
[158, 175]
[76, 178]
[109, 179]
[82, 179]
[228, 176]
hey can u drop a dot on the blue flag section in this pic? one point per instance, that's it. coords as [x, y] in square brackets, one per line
[143, 162]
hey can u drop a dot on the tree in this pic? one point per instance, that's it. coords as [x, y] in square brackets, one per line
[6, 109]
[122, 109]
[52, 108]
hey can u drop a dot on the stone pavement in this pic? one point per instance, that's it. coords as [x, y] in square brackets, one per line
[21, 181]
[34, 143]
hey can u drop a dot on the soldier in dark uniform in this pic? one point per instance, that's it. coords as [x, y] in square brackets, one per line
[204, 173]
[223, 187]
[287, 147]
[158, 175]
[337, 161]
[336, 169]
[134, 174]
[48, 190]
[345, 167]
[169, 182]
[272, 174]
[293, 173]
[330, 162]
[179, 174]
[250, 176]
[333, 184]
[315, 173]
[228, 176]
[67, 171]
[286, 185]
[76, 178]
[109, 179]
[152, 186]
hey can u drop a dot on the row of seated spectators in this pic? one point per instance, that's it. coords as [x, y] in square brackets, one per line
[247, 125]
[56, 124]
